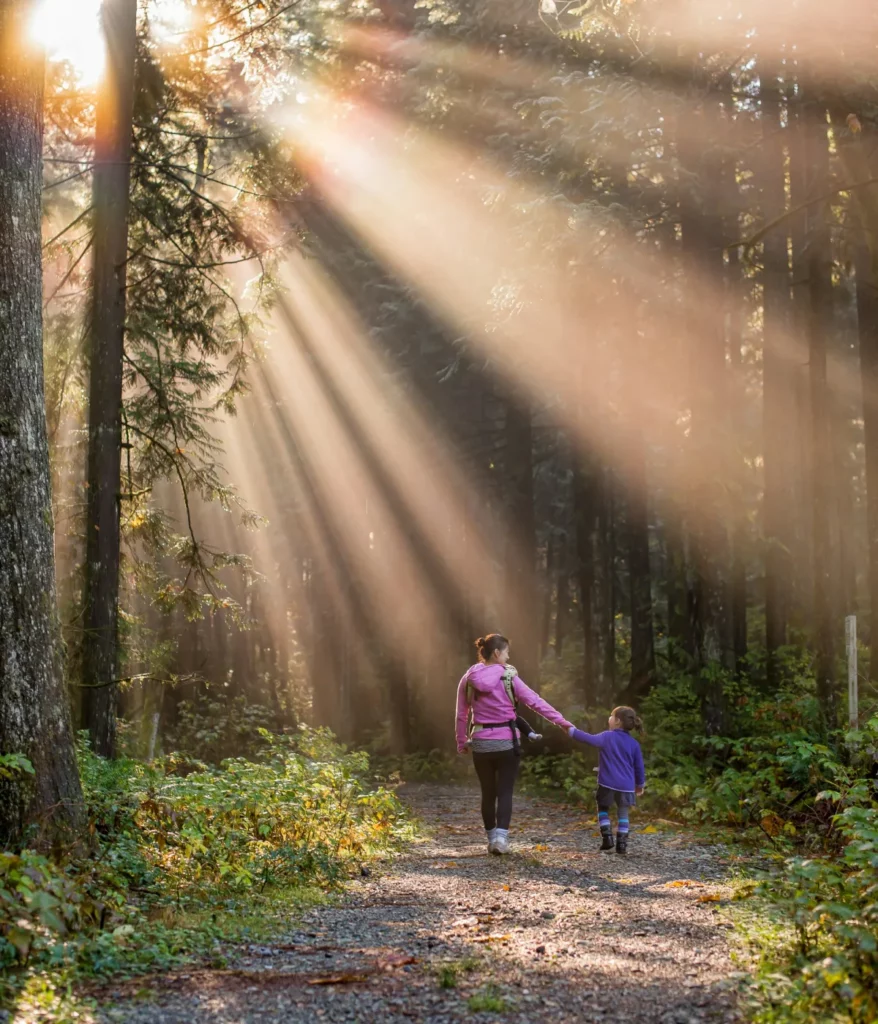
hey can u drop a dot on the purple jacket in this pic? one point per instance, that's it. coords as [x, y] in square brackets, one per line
[493, 703]
[620, 764]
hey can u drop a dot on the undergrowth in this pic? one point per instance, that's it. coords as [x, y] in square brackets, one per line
[184, 856]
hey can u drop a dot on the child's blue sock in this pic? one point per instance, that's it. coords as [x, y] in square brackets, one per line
[604, 822]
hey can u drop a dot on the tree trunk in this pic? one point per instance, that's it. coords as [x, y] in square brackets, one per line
[584, 486]
[702, 240]
[738, 426]
[867, 323]
[546, 627]
[110, 200]
[34, 713]
[640, 576]
[607, 582]
[562, 616]
[777, 398]
[819, 263]
[521, 577]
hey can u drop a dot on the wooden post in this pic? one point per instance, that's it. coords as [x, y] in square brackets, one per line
[850, 632]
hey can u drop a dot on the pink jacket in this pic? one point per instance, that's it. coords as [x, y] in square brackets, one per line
[493, 703]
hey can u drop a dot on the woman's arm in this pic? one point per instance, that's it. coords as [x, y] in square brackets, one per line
[536, 703]
[592, 739]
[462, 715]
[639, 771]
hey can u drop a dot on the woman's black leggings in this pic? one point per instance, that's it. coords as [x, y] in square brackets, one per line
[497, 771]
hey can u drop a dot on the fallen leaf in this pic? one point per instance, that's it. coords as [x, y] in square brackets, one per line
[392, 962]
[710, 897]
[680, 883]
[492, 938]
[649, 830]
[507, 888]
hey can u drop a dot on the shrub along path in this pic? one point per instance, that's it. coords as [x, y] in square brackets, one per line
[555, 932]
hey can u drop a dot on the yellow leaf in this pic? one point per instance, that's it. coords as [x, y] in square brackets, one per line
[649, 830]
[709, 897]
[681, 883]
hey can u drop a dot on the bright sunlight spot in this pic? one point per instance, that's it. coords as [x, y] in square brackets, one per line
[70, 30]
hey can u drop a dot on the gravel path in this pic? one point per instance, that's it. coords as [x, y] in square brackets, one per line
[555, 932]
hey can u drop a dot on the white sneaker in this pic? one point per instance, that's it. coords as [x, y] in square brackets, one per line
[492, 838]
[501, 841]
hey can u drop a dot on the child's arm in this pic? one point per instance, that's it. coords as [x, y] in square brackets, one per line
[639, 770]
[592, 739]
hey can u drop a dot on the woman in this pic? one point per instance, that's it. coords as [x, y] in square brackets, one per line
[490, 691]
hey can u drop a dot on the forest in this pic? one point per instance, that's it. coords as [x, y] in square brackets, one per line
[277, 444]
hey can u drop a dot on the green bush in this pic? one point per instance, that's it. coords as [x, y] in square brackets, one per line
[178, 841]
[826, 968]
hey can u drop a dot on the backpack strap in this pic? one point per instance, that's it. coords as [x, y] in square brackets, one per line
[508, 680]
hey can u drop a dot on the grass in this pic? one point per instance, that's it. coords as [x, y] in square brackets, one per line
[487, 1000]
[448, 973]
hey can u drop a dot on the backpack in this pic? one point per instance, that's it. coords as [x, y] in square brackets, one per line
[472, 695]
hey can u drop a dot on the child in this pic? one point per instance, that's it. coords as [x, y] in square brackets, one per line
[620, 773]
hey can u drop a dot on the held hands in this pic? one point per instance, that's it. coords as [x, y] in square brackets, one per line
[571, 730]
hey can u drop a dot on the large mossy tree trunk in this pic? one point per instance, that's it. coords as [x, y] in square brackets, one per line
[34, 713]
[100, 655]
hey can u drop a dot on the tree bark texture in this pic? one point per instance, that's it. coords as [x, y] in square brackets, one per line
[820, 316]
[110, 200]
[867, 321]
[777, 400]
[640, 576]
[34, 712]
[520, 587]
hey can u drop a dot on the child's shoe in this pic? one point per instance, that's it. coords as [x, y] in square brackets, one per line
[607, 841]
[622, 843]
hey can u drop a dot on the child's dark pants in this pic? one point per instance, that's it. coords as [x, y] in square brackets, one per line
[497, 771]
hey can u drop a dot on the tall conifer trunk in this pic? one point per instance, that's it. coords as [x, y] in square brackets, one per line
[110, 200]
[34, 714]
[818, 258]
[777, 398]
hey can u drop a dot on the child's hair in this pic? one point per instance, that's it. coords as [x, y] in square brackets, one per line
[628, 717]
[486, 645]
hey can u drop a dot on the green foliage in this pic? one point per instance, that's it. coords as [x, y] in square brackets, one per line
[178, 847]
[825, 967]
[220, 726]
[434, 766]
[14, 766]
[448, 973]
[487, 1000]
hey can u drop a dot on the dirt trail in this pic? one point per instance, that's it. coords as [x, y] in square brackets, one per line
[555, 932]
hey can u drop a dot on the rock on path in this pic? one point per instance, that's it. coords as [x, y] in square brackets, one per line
[555, 932]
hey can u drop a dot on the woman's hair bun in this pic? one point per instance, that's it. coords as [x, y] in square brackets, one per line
[486, 645]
